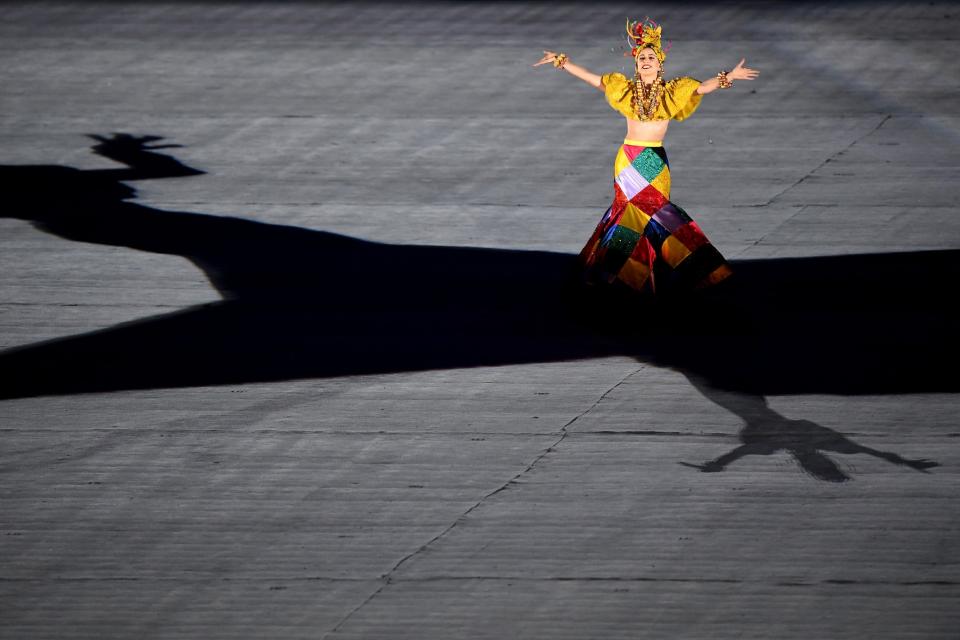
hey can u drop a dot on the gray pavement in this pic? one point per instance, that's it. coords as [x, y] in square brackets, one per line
[481, 483]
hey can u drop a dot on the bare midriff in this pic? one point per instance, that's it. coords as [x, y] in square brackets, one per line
[651, 130]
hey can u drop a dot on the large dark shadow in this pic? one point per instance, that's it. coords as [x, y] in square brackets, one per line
[296, 302]
[299, 303]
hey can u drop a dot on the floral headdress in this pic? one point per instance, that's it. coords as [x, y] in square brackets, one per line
[646, 35]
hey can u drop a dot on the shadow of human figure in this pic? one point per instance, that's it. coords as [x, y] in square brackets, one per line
[295, 302]
[301, 303]
[767, 432]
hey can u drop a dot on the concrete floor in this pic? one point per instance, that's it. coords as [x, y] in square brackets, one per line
[477, 482]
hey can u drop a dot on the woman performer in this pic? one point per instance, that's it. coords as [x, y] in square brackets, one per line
[644, 242]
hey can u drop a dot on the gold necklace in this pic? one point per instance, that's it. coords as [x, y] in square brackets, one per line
[646, 98]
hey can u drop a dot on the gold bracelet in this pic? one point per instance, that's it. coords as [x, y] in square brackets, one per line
[560, 60]
[724, 82]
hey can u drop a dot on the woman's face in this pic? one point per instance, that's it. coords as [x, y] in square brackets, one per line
[647, 63]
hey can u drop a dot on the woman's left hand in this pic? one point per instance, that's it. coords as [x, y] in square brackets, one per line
[548, 56]
[741, 72]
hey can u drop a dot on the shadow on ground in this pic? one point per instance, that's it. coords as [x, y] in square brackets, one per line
[299, 303]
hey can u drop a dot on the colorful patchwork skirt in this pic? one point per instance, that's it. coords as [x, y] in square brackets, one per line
[644, 242]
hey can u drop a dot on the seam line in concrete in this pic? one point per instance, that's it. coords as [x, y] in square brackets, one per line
[441, 205]
[487, 578]
[801, 180]
[514, 205]
[387, 578]
[829, 159]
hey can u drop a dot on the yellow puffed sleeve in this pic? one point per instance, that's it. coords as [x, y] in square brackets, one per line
[617, 91]
[678, 101]
[680, 98]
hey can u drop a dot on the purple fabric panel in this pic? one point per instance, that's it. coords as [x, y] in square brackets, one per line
[631, 182]
[669, 218]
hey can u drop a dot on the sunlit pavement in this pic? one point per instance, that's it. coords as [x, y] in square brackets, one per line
[541, 498]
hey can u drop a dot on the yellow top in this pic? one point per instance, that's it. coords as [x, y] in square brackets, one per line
[677, 102]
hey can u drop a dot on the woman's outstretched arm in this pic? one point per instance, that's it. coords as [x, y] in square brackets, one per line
[739, 72]
[575, 70]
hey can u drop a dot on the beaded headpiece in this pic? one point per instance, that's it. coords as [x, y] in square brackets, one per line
[646, 35]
